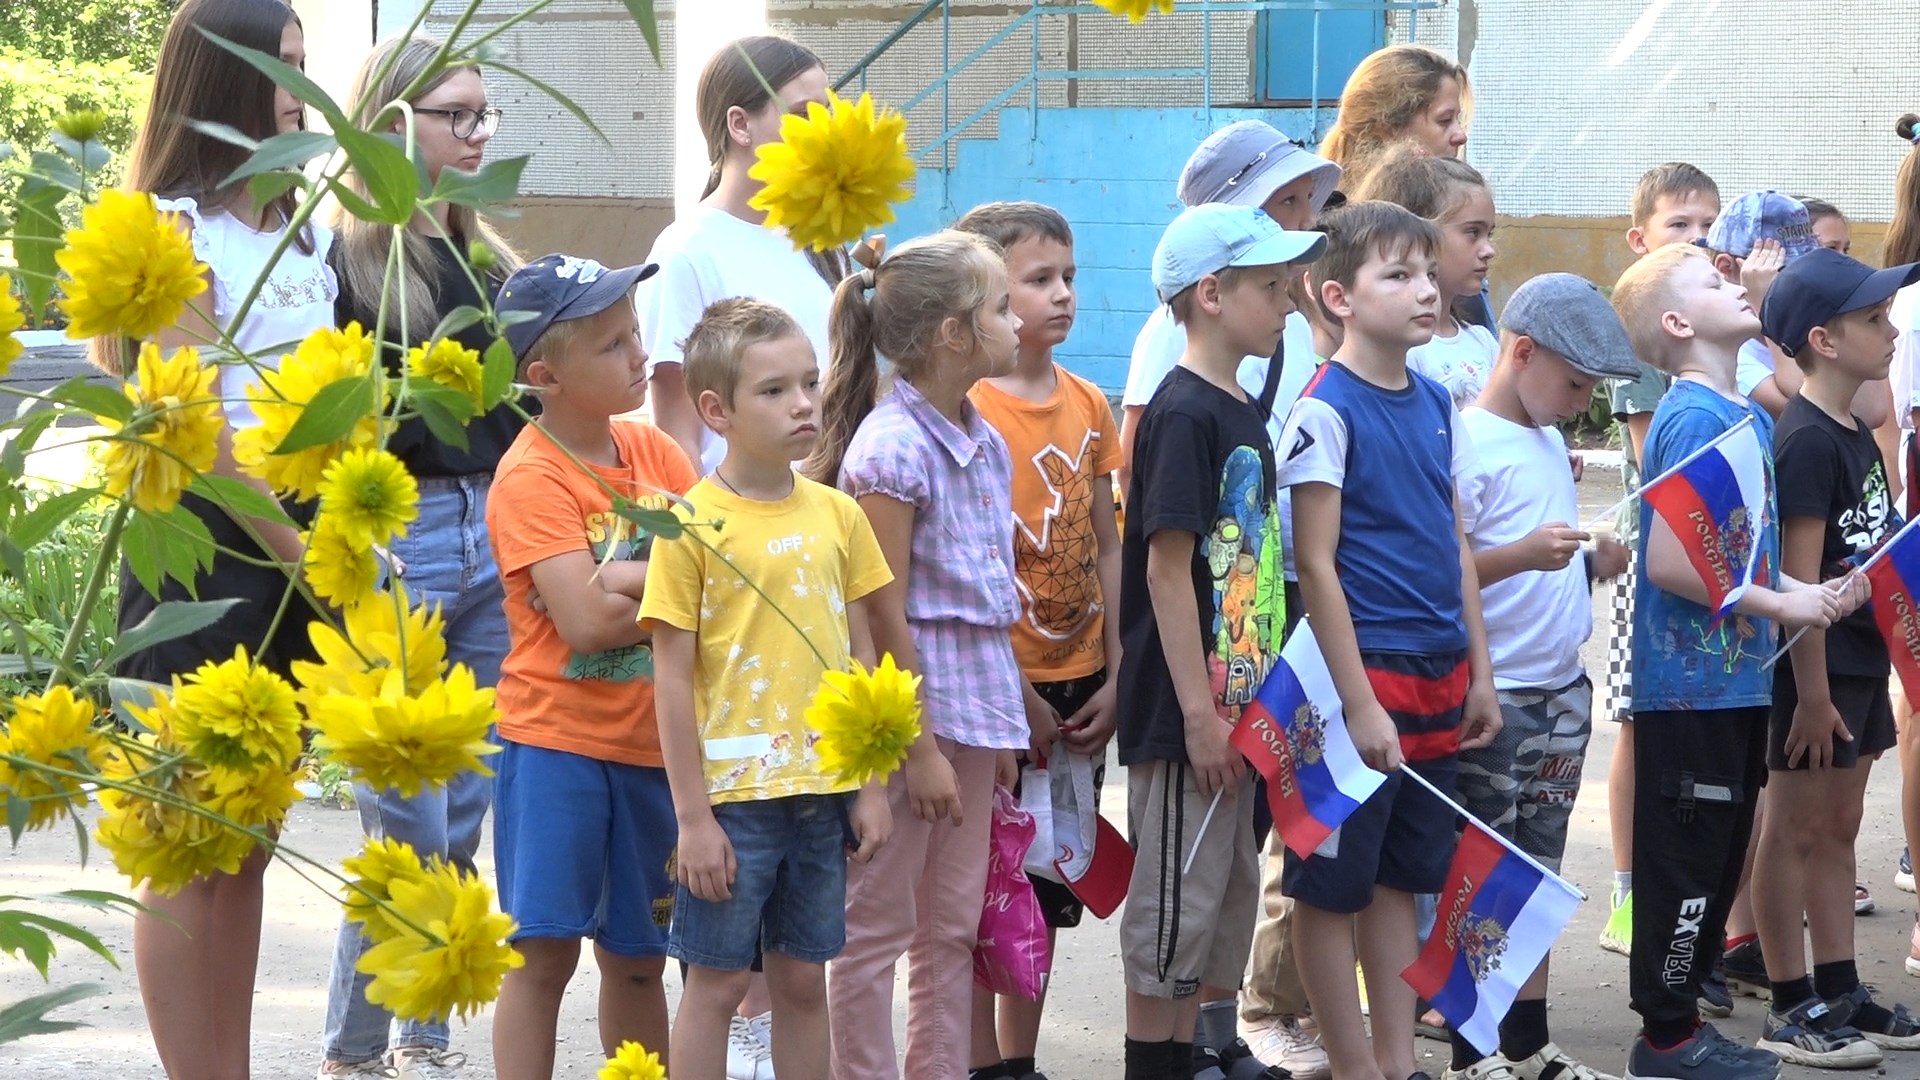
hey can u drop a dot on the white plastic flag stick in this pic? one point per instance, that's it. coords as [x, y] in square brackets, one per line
[1606, 515]
[1863, 568]
[1414, 775]
[1200, 833]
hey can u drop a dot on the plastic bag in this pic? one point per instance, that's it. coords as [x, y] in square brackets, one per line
[1011, 954]
[1038, 793]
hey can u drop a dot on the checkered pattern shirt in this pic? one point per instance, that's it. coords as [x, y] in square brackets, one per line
[961, 603]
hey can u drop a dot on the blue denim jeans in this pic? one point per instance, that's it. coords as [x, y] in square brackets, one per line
[448, 562]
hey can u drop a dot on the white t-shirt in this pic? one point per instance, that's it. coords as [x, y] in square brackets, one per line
[1905, 316]
[1516, 481]
[1460, 363]
[296, 300]
[708, 255]
[1157, 350]
[1754, 365]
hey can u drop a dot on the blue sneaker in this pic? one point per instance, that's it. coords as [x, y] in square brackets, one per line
[1706, 1056]
[1903, 877]
[1715, 1000]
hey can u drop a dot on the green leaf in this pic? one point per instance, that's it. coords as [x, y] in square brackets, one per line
[267, 187]
[18, 811]
[27, 1017]
[174, 545]
[46, 925]
[18, 936]
[50, 170]
[38, 524]
[458, 319]
[91, 155]
[37, 236]
[285, 75]
[664, 524]
[559, 98]
[497, 375]
[642, 12]
[239, 497]
[12, 558]
[99, 400]
[496, 182]
[123, 693]
[393, 184]
[168, 620]
[226, 133]
[352, 201]
[13, 460]
[331, 414]
[288, 150]
[439, 408]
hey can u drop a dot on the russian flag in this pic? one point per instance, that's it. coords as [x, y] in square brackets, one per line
[1294, 734]
[1716, 503]
[1499, 914]
[1894, 572]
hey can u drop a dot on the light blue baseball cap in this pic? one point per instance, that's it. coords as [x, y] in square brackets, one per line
[1763, 215]
[1209, 238]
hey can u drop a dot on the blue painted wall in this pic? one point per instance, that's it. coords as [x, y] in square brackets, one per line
[1112, 172]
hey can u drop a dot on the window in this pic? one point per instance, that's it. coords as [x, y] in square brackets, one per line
[1283, 58]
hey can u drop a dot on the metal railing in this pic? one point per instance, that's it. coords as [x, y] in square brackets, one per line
[1038, 76]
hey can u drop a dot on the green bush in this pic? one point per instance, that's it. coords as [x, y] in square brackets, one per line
[34, 90]
[36, 610]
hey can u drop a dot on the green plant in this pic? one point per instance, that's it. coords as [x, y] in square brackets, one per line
[38, 605]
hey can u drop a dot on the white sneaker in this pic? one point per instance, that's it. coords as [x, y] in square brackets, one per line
[747, 1057]
[359, 1070]
[1551, 1061]
[1289, 1044]
[1489, 1068]
[426, 1063]
[762, 1028]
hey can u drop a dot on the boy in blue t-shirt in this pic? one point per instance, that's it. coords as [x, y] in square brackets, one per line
[1700, 693]
[1371, 458]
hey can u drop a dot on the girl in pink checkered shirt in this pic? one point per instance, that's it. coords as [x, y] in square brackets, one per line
[936, 482]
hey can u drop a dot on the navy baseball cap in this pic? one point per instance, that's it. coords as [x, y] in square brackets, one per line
[1823, 285]
[556, 288]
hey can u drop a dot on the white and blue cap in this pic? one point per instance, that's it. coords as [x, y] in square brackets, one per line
[1763, 215]
[1209, 238]
[1247, 161]
[556, 288]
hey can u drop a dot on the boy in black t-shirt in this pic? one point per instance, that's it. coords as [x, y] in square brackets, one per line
[1201, 616]
[1831, 716]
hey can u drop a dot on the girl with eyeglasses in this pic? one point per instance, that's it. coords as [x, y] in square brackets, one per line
[445, 558]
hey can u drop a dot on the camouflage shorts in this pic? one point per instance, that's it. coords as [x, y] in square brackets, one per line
[1524, 784]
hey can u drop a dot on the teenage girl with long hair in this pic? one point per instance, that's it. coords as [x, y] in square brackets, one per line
[198, 951]
[445, 559]
[1399, 94]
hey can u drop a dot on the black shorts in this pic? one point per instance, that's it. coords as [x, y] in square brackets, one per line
[1058, 905]
[1401, 838]
[1862, 703]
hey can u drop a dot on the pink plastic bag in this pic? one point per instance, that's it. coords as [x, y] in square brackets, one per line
[1011, 955]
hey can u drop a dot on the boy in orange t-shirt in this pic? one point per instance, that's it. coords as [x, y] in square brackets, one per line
[1066, 548]
[583, 828]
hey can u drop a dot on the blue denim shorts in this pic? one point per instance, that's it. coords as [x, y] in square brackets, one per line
[584, 848]
[789, 886]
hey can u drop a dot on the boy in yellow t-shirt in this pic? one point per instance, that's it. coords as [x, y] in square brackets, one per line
[763, 831]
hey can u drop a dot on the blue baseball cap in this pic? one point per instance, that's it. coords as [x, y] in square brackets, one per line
[1763, 215]
[1821, 287]
[556, 288]
[1209, 238]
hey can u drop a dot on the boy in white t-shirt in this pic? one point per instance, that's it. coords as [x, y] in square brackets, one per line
[1558, 338]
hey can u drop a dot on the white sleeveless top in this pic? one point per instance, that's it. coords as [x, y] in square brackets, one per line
[296, 300]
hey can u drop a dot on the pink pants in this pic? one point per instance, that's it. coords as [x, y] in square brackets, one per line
[921, 895]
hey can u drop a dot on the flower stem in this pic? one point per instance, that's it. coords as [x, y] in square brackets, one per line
[103, 560]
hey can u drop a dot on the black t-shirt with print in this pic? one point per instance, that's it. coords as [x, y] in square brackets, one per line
[1203, 465]
[1824, 470]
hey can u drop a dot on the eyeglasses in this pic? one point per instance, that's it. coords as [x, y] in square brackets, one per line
[465, 122]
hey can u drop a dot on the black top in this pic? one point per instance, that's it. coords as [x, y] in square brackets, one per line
[1202, 465]
[487, 436]
[1825, 471]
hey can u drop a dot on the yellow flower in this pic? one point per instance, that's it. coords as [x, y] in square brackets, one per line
[376, 641]
[130, 269]
[408, 743]
[81, 125]
[339, 571]
[253, 797]
[150, 840]
[453, 366]
[235, 714]
[633, 1062]
[370, 496]
[174, 433]
[459, 969]
[12, 317]
[52, 729]
[835, 173]
[1136, 10]
[280, 397]
[866, 720]
[375, 869]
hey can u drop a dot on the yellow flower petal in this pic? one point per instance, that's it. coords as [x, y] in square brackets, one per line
[339, 571]
[55, 730]
[281, 396]
[130, 269]
[1136, 10]
[866, 720]
[174, 434]
[236, 714]
[369, 496]
[633, 1062]
[408, 743]
[13, 316]
[456, 970]
[453, 366]
[835, 173]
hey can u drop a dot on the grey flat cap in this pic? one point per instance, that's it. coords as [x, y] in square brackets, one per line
[1567, 314]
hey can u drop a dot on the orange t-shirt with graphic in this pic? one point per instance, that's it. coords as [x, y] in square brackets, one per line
[598, 705]
[1061, 447]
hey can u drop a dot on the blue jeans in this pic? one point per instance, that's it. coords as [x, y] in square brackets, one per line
[449, 562]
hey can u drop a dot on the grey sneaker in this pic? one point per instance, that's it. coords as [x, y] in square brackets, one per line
[1812, 1034]
[427, 1063]
[1706, 1056]
[1899, 1031]
[356, 1070]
